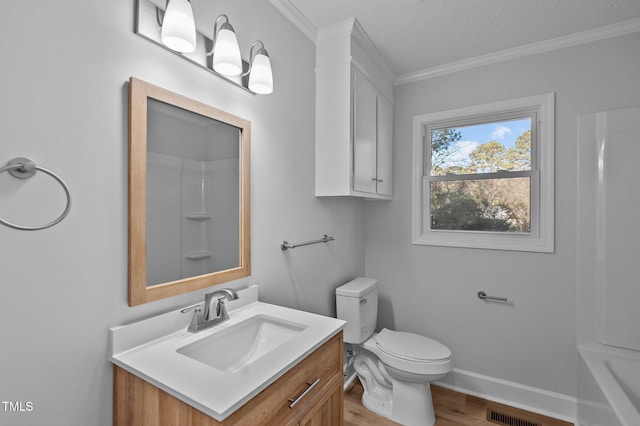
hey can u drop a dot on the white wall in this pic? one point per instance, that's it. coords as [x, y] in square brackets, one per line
[432, 290]
[63, 103]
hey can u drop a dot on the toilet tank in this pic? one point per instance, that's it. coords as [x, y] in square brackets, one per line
[357, 304]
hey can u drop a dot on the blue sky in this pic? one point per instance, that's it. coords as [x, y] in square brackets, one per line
[505, 132]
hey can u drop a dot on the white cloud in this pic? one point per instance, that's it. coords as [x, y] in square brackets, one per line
[462, 150]
[500, 132]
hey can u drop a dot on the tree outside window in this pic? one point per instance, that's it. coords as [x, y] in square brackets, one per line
[476, 187]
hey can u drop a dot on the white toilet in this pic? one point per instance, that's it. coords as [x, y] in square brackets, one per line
[395, 367]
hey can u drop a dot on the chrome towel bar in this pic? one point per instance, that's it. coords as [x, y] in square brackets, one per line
[23, 168]
[482, 295]
[286, 245]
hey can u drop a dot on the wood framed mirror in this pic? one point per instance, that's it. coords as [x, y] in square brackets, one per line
[189, 194]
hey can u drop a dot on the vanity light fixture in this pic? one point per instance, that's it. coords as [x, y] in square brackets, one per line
[178, 33]
[260, 74]
[179, 27]
[225, 52]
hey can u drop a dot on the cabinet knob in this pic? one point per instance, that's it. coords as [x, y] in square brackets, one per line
[380, 181]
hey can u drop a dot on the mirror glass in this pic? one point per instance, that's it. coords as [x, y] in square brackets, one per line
[188, 194]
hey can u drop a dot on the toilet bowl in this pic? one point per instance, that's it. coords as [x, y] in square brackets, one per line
[394, 367]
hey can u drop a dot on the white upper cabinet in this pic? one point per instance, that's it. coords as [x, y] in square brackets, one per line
[384, 164]
[354, 115]
[365, 134]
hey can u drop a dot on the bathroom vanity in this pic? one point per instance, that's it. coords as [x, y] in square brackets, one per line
[266, 365]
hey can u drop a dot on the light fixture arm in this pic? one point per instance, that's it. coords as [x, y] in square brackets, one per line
[225, 25]
[160, 15]
[251, 55]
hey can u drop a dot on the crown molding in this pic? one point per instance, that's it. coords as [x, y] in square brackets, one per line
[363, 38]
[297, 18]
[609, 31]
[601, 33]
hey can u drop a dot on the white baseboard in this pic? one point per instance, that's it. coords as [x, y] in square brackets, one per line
[547, 403]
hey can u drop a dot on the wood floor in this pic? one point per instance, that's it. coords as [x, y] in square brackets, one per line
[452, 409]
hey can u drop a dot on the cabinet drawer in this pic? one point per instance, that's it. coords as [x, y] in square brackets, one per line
[272, 405]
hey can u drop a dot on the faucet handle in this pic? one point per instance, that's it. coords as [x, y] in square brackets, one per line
[196, 320]
[228, 293]
[221, 309]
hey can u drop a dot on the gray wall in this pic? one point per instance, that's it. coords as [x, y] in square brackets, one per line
[432, 290]
[63, 103]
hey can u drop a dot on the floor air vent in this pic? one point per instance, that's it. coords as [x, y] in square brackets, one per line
[508, 419]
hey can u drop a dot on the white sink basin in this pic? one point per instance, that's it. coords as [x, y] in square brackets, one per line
[241, 344]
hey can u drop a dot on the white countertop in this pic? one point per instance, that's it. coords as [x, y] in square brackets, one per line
[148, 349]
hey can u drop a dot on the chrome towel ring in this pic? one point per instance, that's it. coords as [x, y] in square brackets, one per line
[23, 168]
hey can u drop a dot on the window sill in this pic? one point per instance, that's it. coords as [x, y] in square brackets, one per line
[485, 240]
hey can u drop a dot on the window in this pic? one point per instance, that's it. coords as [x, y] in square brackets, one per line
[483, 176]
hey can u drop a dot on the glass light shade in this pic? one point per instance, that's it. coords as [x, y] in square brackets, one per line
[261, 77]
[226, 53]
[178, 27]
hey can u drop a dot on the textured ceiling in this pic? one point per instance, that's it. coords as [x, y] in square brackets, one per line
[416, 35]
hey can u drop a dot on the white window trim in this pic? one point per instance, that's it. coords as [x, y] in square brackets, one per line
[541, 237]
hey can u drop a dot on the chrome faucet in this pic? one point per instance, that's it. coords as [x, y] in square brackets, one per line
[202, 320]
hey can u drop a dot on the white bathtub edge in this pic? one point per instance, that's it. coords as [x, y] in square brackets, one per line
[540, 401]
[594, 356]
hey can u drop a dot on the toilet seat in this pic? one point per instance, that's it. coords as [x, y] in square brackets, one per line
[410, 353]
[411, 346]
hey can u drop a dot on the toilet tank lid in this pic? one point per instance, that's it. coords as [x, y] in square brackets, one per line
[358, 287]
